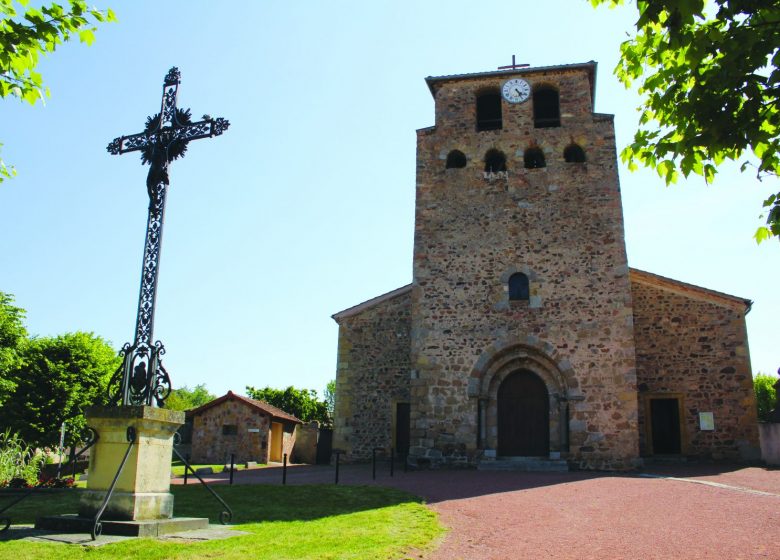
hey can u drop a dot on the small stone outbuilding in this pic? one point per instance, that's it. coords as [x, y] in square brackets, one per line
[249, 429]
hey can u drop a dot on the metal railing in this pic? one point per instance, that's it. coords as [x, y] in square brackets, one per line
[226, 515]
[97, 527]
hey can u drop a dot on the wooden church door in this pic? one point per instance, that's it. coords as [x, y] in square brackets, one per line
[523, 416]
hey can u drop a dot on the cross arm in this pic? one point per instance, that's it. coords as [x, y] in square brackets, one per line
[193, 131]
[202, 129]
[131, 143]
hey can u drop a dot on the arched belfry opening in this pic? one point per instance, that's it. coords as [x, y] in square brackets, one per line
[489, 111]
[547, 111]
[533, 158]
[495, 161]
[573, 153]
[523, 416]
[456, 160]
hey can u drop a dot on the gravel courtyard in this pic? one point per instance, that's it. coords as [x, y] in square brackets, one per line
[669, 512]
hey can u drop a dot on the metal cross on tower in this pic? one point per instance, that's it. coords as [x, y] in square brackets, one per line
[513, 66]
[141, 377]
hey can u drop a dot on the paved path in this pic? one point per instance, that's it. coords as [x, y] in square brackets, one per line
[685, 511]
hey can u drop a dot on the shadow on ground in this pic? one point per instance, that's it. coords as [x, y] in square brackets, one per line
[250, 504]
[441, 485]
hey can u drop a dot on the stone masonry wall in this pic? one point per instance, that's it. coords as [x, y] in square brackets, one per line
[209, 445]
[306, 443]
[561, 225]
[372, 375]
[689, 345]
[288, 439]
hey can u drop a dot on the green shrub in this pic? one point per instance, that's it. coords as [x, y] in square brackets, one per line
[766, 395]
[18, 462]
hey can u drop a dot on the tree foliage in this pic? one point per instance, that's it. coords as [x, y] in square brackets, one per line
[301, 403]
[26, 33]
[330, 397]
[56, 380]
[709, 73]
[185, 398]
[12, 334]
[766, 394]
[50, 380]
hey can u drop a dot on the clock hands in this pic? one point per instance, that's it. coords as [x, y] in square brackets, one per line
[515, 90]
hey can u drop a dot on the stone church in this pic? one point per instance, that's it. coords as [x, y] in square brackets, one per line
[524, 332]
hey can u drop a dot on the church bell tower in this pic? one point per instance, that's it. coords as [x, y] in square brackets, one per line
[521, 315]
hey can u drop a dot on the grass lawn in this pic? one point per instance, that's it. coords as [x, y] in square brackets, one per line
[316, 521]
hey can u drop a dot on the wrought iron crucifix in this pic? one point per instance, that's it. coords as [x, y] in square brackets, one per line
[141, 379]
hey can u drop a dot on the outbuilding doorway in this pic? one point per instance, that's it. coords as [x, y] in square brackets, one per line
[277, 437]
[523, 416]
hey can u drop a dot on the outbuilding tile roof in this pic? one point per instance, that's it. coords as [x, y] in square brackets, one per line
[259, 405]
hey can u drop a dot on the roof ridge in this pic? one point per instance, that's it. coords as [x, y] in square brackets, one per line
[270, 409]
[355, 309]
[695, 287]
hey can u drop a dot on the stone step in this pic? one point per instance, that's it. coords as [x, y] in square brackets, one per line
[528, 464]
[149, 528]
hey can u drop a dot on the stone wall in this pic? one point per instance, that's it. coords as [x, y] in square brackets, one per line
[769, 433]
[288, 439]
[562, 226]
[306, 443]
[693, 343]
[209, 445]
[372, 375]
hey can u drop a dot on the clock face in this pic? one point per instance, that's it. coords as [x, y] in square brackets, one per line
[516, 90]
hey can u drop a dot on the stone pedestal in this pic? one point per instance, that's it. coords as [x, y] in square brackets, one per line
[143, 490]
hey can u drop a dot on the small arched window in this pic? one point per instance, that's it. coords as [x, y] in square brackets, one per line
[547, 111]
[518, 287]
[534, 158]
[489, 111]
[495, 161]
[574, 154]
[456, 159]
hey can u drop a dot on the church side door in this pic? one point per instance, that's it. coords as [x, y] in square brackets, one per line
[523, 416]
[665, 426]
[402, 427]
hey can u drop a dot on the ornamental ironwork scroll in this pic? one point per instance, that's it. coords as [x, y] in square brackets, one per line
[142, 379]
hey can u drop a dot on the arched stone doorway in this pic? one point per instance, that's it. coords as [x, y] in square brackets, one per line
[523, 416]
[554, 380]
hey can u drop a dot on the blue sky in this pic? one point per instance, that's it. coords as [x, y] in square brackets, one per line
[305, 206]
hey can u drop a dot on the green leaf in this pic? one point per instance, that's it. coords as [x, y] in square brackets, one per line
[38, 31]
[762, 234]
[709, 87]
[87, 36]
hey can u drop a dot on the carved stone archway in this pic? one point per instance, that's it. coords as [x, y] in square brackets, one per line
[508, 357]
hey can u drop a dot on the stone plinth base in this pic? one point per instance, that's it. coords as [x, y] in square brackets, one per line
[150, 528]
[142, 492]
[127, 506]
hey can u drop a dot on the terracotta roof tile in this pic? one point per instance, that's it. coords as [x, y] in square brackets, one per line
[263, 406]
